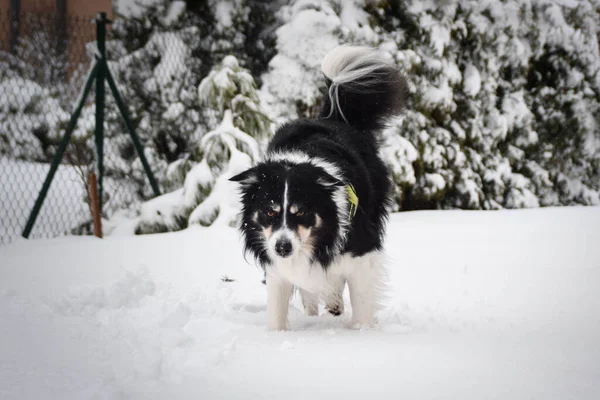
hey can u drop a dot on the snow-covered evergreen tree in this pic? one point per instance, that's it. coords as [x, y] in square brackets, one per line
[505, 105]
[293, 85]
[159, 52]
[231, 108]
[36, 98]
[504, 112]
[504, 109]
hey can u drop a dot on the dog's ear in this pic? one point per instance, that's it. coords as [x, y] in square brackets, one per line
[327, 180]
[246, 178]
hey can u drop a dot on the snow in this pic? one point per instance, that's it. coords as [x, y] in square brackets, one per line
[469, 189]
[200, 176]
[308, 47]
[20, 184]
[224, 13]
[134, 8]
[439, 35]
[173, 55]
[484, 305]
[472, 81]
[222, 199]
[174, 111]
[517, 113]
[65, 206]
[435, 181]
[403, 153]
[352, 15]
[174, 13]
[439, 96]
[452, 72]
[310, 31]
[19, 94]
[164, 209]
[26, 107]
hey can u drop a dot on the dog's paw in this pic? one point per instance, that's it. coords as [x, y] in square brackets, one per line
[361, 324]
[311, 312]
[335, 310]
[278, 328]
[356, 325]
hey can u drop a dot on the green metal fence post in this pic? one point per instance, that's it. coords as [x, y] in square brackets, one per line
[136, 140]
[60, 151]
[101, 22]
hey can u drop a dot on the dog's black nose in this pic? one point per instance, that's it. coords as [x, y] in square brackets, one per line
[283, 247]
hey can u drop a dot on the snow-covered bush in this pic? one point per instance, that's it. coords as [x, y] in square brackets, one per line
[293, 85]
[230, 105]
[504, 107]
[36, 93]
[504, 110]
[29, 117]
[506, 102]
[159, 52]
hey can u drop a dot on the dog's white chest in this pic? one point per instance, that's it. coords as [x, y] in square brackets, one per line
[300, 272]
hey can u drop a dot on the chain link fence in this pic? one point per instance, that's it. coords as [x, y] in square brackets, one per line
[44, 60]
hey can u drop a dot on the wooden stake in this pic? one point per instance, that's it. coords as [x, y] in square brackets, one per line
[95, 204]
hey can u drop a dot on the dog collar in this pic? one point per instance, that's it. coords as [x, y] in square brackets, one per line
[353, 199]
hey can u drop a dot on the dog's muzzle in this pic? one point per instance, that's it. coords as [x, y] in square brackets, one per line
[283, 247]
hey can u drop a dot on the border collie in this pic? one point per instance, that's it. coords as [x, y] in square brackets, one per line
[314, 209]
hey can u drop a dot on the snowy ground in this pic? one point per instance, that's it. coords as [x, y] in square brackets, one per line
[65, 205]
[485, 305]
[20, 184]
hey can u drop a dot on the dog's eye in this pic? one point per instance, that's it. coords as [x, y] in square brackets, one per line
[300, 213]
[271, 213]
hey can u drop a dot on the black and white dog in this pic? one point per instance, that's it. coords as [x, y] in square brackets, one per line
[314, 209]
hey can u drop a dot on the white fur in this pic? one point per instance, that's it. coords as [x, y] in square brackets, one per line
[354, 67]
[366, 283]
[310, 301]
[335, 298]
[318, 220]
[278, 299]
[285, 202]
[298, 157]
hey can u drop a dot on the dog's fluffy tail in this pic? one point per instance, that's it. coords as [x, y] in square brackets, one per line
[364, 88]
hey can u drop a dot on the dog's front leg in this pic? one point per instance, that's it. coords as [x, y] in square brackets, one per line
[366, 285]
[278, 299]
[361, 291]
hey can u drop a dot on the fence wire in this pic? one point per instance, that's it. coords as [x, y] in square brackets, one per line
[44, 60]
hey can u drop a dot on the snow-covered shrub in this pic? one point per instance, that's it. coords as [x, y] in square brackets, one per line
[231, 106]
[36, 93]
[505, 103]
[293, 85]
[27, 116]
[159, 52]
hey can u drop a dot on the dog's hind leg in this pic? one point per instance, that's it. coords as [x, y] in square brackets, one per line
[335, 300]
[278, 299]
[310, 301]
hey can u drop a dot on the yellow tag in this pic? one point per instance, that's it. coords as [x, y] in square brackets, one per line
[353, 198]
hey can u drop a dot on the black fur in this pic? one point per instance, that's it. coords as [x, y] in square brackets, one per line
[303, 189]
[367, 104]
[348, 140]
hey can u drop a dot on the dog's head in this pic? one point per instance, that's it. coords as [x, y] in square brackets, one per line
[291, 209]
